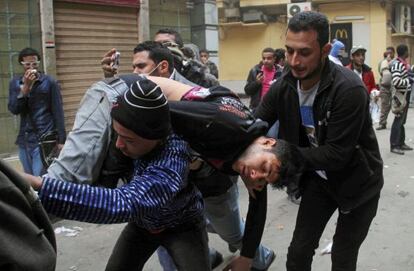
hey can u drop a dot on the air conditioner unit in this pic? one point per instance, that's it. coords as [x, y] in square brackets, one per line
[403, 18]
[254, 16]
[294, 8]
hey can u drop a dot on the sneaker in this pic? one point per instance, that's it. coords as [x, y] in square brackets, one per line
[405, 147]
[218, 259]
[232, 248]
[397, 151]
[269, 259]
[381, 127]
[294, 199]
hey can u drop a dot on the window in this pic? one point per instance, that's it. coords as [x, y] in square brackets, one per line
[19, 28]
[171, 14]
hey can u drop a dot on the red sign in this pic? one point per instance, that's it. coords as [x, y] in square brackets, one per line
[123, 3]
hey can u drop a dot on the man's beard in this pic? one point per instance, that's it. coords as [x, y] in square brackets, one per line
[357, 66]
[315, 72]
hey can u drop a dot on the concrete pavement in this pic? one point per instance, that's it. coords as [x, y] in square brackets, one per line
[389, 245]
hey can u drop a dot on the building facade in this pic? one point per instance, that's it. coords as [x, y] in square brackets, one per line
[19, 28]
[248, 26]
[73, 35]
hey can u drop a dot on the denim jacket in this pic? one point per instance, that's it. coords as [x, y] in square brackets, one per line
[41, 108]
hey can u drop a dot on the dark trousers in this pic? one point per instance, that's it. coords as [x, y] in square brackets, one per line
[397, 136]
[316, 208]
[187, 246]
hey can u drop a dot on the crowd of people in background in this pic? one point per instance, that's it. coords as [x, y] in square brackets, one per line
[123, 161]
[392, 93]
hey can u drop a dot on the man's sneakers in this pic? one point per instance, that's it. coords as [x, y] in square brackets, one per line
[397, 150]
[381, 127]
[405, 147]
[218, 259]
[232, 248]
[269, 260]
[400, 150]
[292, 198]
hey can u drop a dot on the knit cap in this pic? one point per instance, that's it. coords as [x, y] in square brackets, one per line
[144, 110]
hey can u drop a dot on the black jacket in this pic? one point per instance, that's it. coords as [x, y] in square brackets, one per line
[348, 150]
[26, 234]
[253, 87]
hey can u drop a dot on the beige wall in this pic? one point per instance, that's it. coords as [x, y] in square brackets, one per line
[374, 15]
[248, 3]
[248, 41]
[241, 47]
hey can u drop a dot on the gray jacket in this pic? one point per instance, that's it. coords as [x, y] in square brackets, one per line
[176, 76]
[87, 146]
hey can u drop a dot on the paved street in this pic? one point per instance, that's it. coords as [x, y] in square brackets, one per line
[389, 245]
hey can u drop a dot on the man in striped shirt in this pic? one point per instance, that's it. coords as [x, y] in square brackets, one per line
[402, 78]
[159, 203]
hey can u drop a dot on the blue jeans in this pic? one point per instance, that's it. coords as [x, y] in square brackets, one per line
[31, 160]
[273, 130]
[223, 215]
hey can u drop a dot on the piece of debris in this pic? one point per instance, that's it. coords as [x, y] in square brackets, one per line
[403, 194]
[67, 231]
[73, 268]
[327, 249]
[280, 227]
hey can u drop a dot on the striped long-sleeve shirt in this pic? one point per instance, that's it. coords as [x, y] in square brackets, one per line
[158, 196]
[399, 74]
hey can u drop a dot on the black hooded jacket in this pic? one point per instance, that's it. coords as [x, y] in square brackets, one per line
[348, 149]
[253, 88]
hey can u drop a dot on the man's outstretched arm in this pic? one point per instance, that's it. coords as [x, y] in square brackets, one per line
[156, 186]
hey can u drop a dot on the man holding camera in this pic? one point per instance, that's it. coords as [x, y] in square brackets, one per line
[260, 77]
[36, 98]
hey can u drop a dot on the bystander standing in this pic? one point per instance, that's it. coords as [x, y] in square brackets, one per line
[402, 79]
[212, 67]
[386, 87]
[36, 98]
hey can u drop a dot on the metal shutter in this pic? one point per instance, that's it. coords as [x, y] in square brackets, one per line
[83, 33]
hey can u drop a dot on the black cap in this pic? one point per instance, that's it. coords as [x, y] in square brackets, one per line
[144, 110]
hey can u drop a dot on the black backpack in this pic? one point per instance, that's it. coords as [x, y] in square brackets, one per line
[27, 238]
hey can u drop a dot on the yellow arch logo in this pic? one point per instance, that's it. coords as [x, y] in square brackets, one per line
[341, 34]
